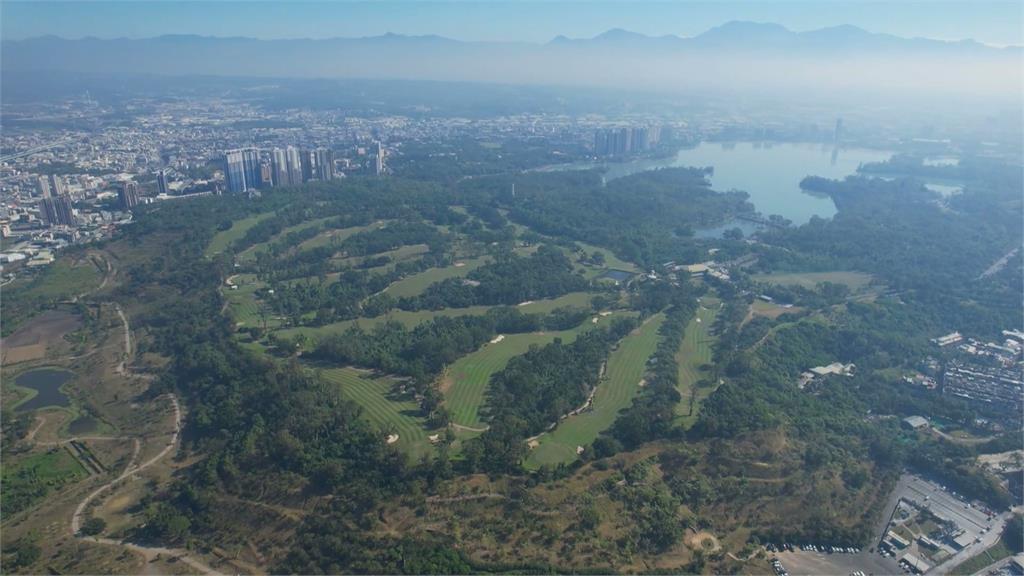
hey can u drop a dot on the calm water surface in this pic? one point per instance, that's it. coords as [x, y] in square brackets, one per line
[46, 382]
[770, 173]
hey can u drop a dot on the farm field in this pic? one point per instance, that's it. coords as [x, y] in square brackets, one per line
[626, 366]
[856, 281]
[224, 238]
[390, 416]
[465, 382]
[417, 283]
[694, 352]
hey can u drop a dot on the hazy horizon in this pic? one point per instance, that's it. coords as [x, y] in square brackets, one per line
[995, 23]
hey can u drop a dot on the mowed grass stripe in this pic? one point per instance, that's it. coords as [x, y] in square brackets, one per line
[626, 366]
[385, 414]
[470, 376]
[695, 351]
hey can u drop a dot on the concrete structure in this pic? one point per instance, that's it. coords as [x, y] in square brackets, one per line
[242, 169]
[128, 195]
[915, 422]
[951, 338]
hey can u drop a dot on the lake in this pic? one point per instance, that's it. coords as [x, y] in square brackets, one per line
[770, 173]
[46, 382]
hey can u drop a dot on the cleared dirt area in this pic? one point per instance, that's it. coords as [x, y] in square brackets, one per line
[31, 340]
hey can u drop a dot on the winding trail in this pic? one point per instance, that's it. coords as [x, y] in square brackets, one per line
[130, 473]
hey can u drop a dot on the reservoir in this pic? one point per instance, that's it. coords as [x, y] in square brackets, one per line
[770, 173]
[46, 382]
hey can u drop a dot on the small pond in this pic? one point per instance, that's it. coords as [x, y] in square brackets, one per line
[46, 382]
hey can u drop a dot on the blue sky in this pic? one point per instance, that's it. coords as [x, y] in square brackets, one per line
[992, 21]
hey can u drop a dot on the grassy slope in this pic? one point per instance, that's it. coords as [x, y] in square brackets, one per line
[854, 280]
[626, 366]
[413, 318]
[470, 375]
[417, 283]
[399, 416]
[251, 252]
[224, 238]
[694, 351]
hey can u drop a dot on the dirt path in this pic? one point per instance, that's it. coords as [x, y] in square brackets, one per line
[467, 497]
[41, 420]
[130, 473]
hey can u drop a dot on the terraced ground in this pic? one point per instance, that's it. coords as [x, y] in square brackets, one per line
[389, 415]
[626, 367]
[465, 382]
[224, 238]
[411, 319]
[694, 352]
[417, 283]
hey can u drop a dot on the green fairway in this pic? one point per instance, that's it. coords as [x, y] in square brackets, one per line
[335, 235]
[389, 415]
[626, 366]
[417, 283]
[411, 319]
[243, 305]
[694, 352]
[854, 280]
[611, 261]
[465, 382]
[251, 252]
[224, 238]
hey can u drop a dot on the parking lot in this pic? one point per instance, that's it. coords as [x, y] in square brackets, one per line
[870, 561]
[804, 563]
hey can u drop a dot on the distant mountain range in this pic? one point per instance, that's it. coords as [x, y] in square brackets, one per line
[736, 55]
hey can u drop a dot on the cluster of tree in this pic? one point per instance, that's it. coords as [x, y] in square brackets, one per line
[938, 249]
[263, 426]
[422, 352]
[536, 389]
[509, 279]
[355, 293]
[653, 511]
[647, 218]
[652, 413]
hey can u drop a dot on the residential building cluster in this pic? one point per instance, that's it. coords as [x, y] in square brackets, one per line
[628, 140]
